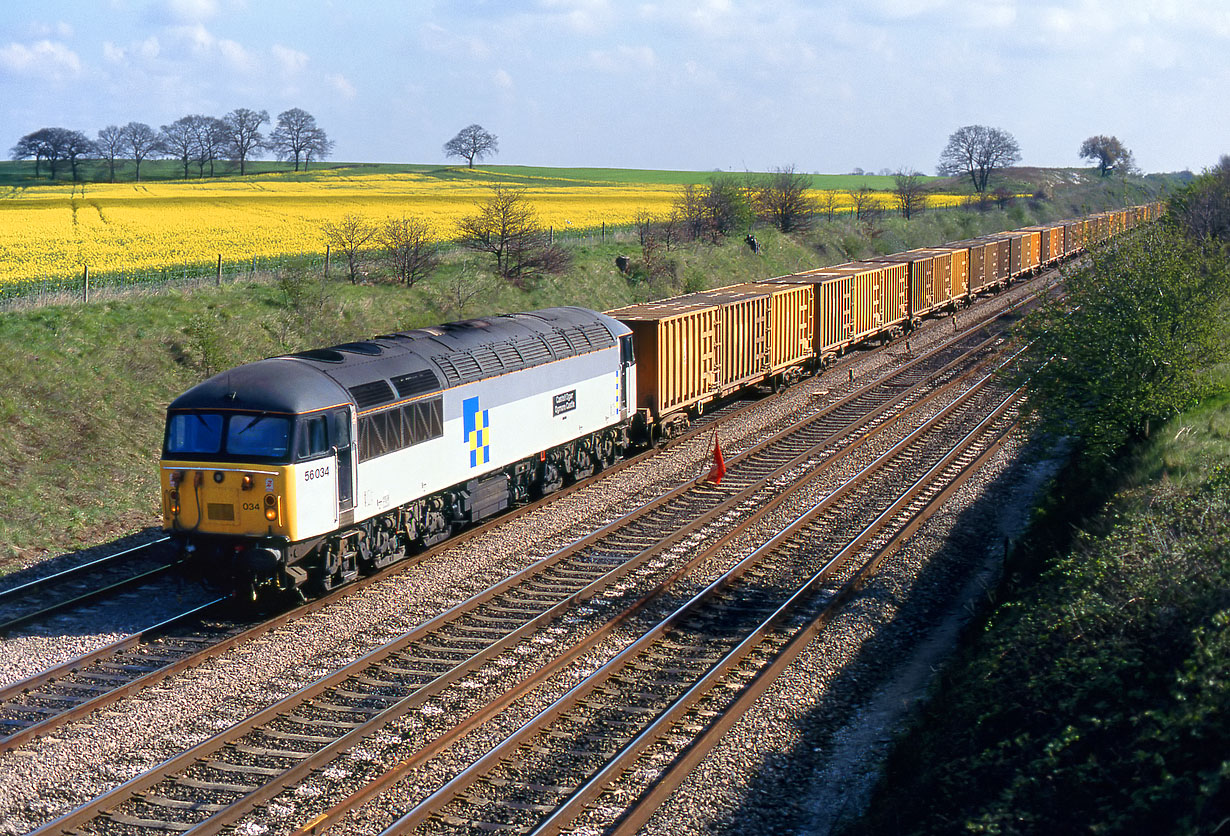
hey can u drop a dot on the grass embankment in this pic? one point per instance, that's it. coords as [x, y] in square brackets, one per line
[86, 385]
[1096, 700]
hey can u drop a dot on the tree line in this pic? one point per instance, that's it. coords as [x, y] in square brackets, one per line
[194, 141]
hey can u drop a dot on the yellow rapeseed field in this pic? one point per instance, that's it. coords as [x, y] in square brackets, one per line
[55, 231]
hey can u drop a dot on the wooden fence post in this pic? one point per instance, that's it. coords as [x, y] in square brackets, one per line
[327, 253]
[219, 273]
[604, 232]
[85, 284]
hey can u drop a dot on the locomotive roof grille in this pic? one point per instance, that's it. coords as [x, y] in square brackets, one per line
[367, 395]
[416, 383]
[522, 353]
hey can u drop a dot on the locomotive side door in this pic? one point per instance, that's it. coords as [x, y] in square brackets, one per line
[342, 437]
[627, 381]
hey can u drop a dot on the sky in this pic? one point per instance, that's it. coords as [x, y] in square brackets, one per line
[819, 85]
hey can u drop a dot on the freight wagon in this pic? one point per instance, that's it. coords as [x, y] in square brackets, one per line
[988, 262]
[929, 289]
[852, 304]
[695, 349]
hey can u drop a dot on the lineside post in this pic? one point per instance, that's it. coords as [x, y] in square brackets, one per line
[85, 284]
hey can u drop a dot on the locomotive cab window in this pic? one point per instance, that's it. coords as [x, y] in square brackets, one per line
[626, 355]
[196, 435]
[313, 437]
[266, 436]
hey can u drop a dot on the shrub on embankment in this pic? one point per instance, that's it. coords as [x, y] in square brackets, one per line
[1097, 699]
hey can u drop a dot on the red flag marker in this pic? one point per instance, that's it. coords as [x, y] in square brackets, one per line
[719, 463]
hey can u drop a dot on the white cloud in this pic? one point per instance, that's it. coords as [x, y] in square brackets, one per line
[502, 79]
[589, 17]
[197, 37]
[342, 86]
[236, 56]
[292, 61]
[112, 53]
[46, 59]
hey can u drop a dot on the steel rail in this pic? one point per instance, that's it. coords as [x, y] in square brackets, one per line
[9, 596]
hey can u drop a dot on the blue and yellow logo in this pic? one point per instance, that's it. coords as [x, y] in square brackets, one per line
[475, 424]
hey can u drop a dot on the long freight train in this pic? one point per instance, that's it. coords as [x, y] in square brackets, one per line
[297, 473]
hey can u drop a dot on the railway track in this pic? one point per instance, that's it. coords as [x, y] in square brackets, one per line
[80, 585]
[220, 780]
[632, 728]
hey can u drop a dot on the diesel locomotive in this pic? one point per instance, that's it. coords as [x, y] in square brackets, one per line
[299, 472]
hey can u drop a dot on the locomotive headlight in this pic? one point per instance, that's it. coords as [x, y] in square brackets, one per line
[219, 476]
[174, 502]
[271, 507]
[246, 482]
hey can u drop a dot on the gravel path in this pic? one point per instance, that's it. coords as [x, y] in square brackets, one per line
[788, 740]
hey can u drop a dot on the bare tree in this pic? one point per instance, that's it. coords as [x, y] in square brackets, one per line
[1108, 153]
[643, 221]
[472, 143]
[410, 249]
[76, 146]
[507, 227]
[297, 137]
[349, 235]
[829, 201]
[455, 293]
[727, 207]
[32, 146]
[110, 145]
[977, 150]
[911, 192]
[864, 201]
[243, 134]
[783, 199]
[140, 141]
[179, 140]
[211, 139]
[318, 147]
[689, 208]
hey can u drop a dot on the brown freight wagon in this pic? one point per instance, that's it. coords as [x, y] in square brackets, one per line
[1050, 241]
[694, 349]
[1022, 252]
[930, 281]
[988, 262]
[959, 273]
[789, 333]
[1074, 236]
[853, 303]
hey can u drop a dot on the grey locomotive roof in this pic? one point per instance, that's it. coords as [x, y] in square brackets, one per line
[405, 364]
[274, 385]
